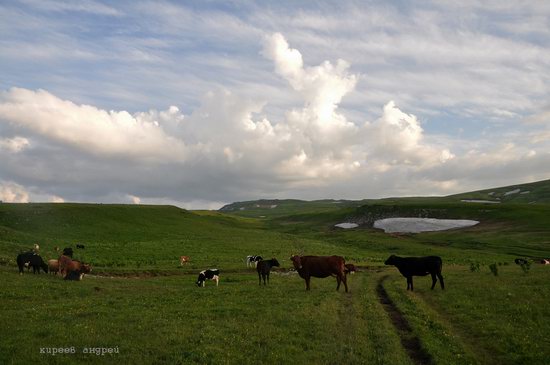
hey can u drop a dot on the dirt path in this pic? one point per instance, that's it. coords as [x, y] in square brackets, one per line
[409, 341]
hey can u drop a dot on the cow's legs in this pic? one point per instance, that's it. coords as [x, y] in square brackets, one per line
[260, 279]
[434, 280]
[345, 280]
[338, 280]
[441, 280]
[217, 280]
[267, 278]
[409, 283]
[307, 282]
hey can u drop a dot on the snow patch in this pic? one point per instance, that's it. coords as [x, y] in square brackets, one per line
[515, 191]
[416, 225]
[346, 225]
[525, 192]
[479, 201]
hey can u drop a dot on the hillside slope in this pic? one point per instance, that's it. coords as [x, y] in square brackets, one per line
[142, 237]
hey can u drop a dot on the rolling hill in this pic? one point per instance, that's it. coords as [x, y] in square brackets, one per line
[531, 193]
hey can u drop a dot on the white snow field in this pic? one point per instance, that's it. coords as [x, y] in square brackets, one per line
[417, 225]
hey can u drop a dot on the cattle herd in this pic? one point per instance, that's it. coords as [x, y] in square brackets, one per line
[335, 266]
[306, 267]
[65, 266]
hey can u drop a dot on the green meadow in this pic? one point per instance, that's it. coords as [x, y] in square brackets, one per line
[144, 307]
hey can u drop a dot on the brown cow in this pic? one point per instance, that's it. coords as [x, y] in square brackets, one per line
[53, 266]
[66, 265]
[184, 260]
[320, 267]
[77, 275]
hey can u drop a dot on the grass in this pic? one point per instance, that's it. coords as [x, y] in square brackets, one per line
[170, 320]
[480, 318]
[153, 313]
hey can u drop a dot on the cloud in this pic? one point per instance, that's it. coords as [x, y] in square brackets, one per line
[397, 137]
[85, 127]
[14, 145]
[11, 192]
[231, 148]
[85, 6]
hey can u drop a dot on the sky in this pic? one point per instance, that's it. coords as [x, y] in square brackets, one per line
[203, 103]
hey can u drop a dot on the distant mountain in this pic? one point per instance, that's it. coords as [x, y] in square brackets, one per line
[281, 207]
[529, 193]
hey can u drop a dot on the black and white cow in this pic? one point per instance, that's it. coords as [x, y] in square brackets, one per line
[31, 259]
[210, 274]
[253, 260]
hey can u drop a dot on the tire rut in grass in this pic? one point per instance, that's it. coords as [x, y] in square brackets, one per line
[409, 341]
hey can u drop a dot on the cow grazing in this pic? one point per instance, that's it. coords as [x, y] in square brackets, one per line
[418, 266]
[545, 261]
[209, 274]
[253, 260]
[350, 269]
[66, 265]
[53, 266]
[320, 267]
[77, 275]
[184, 260]
[264, 267]
[68, 251]
[80, 246]
[31, 259]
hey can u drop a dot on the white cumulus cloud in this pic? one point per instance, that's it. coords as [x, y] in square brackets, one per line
[11, 192]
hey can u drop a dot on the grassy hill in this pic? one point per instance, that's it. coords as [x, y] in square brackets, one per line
[283, 207]
[142, 238]
[532, 193]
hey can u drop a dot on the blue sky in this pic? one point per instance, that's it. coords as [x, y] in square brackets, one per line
[203, 103]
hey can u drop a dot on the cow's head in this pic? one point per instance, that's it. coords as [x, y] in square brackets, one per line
[85, 269]
[392, 260]
[297, 261]
[200, 279]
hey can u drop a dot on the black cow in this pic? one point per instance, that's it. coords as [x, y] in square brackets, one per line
[31, 259]
[418, 266]
[210, 274]
[264, 267]
[80, 246]
[68, 251]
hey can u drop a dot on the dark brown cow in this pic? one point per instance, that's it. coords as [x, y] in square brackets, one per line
[67, 265]
[320, 267]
